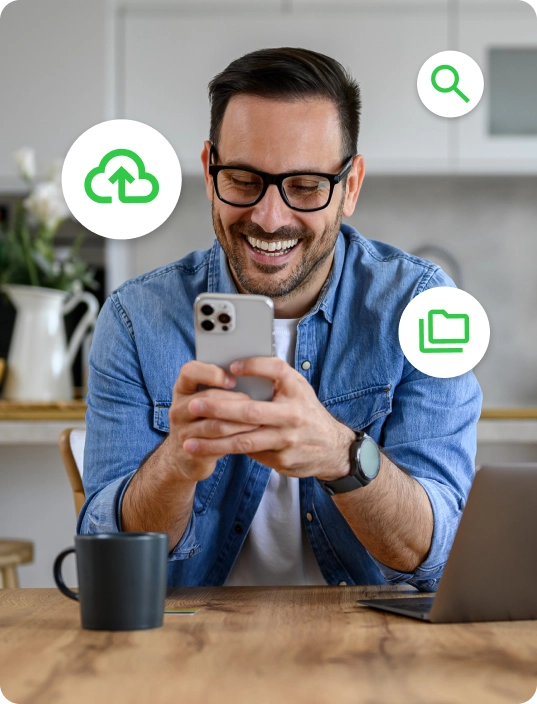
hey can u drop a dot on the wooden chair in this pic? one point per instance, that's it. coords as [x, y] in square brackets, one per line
[13, 553]
[71, 442]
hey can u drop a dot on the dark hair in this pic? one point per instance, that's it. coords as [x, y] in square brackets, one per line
[289, 74]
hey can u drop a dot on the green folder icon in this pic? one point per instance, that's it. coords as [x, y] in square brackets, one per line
[448, 320]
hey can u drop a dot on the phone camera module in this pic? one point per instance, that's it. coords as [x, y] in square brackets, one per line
[207, 310]
[224, 318]
[207, 324]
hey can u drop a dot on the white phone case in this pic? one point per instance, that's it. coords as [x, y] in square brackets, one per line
[249, 333]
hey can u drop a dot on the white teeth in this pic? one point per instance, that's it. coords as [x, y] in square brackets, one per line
[279, 246]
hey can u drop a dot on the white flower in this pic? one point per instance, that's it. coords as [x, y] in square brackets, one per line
[47, 204]
[25, 160]
[69, 269]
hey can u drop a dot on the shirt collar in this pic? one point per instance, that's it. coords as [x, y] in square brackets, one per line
[220, 279]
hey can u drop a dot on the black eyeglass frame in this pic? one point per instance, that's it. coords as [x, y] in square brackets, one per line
[277, 180]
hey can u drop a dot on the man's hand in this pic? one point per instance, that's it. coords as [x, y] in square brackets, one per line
[184, 424]
[294, 434]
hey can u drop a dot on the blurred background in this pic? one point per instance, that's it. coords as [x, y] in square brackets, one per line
[461, 192]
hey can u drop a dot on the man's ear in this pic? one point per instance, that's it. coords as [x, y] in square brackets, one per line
[208, 178]
[355, 179]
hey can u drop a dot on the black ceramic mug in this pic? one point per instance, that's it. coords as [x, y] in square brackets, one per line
[121, 580]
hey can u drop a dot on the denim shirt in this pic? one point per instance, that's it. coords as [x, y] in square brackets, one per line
[426, 426]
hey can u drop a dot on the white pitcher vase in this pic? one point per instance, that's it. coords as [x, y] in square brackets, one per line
[39, 361]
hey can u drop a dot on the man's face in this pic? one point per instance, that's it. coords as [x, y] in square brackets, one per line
[277, 137]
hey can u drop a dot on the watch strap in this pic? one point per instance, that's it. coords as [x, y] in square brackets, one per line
[351, 481]
[343, 485]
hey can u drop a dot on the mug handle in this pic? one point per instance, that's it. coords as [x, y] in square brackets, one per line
[58, 575]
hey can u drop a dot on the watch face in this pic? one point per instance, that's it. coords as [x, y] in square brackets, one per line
[369, 458]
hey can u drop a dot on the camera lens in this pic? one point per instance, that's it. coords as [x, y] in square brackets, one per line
[207, 325]
[207, 309]
[224, 318]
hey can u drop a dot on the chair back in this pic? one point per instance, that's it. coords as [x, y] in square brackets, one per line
[71, 442]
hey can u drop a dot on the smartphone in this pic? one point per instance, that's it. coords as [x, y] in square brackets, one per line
[230, 326]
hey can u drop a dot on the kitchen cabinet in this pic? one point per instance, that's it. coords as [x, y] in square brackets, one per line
[197, 6]
[483, 28]
[153, 61]
[169, 58]
[342, 5]
[494, 4]
[53, 74]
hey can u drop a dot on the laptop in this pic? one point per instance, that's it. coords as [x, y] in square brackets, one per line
[491, 571]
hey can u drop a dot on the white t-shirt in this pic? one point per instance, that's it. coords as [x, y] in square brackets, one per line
[277, 551]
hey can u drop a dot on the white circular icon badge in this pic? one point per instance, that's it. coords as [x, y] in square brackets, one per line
[121, 179]
[444, 332]
[450, 84]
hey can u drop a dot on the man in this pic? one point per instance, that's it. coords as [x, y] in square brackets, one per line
[272, 492]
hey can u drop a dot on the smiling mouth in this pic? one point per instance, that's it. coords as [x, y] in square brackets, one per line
[276, 255]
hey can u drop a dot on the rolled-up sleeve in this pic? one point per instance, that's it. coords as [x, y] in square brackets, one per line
[119, 427]
[432, 434]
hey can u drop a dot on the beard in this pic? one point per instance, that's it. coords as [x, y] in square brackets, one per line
[314, 252]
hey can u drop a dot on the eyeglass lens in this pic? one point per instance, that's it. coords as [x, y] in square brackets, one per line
[302, 191]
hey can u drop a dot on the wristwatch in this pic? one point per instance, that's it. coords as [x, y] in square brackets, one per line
[365, 465]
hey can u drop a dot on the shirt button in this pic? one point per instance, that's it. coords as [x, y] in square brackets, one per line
[238, 528]
[309, 517]
[342, 584]
[306, 364]
[191, 553]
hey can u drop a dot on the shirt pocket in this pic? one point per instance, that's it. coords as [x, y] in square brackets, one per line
[161, 420]
[360, 408]
[204, 490]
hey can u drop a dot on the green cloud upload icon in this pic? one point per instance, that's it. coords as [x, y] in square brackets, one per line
[122, 176]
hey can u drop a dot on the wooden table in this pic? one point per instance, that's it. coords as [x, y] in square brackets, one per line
[286, 645]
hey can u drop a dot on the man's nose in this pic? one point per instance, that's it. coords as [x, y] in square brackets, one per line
[272, 212]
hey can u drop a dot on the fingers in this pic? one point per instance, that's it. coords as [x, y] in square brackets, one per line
[241, 443]
[272, 368]
[215, 428]
[242, 410]
[220, 393]
[180, 413]
[193, 373]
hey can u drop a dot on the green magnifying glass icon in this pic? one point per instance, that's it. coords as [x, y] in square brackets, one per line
[446, 67]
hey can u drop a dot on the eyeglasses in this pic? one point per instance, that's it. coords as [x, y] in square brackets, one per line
[244, 187]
